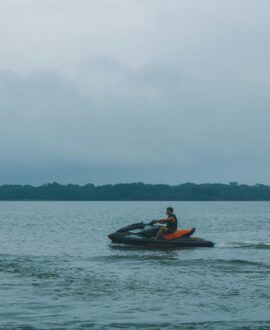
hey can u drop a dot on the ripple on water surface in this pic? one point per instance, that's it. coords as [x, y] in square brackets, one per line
[59, 271]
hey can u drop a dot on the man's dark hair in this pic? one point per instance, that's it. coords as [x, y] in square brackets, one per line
[170, 209]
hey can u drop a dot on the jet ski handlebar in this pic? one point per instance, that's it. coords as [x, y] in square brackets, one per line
[139, 225]
[151, 223]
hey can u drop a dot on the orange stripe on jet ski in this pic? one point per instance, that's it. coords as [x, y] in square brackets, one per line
[177, 234]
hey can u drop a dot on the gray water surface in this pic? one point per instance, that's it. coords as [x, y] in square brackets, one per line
[58, 270]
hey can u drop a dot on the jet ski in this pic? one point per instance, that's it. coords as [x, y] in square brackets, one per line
[142, 234]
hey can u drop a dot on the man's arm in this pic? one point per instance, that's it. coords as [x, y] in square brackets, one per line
[170, 219]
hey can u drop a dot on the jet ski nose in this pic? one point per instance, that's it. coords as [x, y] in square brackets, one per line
[112, 236]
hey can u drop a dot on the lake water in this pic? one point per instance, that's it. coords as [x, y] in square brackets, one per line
[58, 270]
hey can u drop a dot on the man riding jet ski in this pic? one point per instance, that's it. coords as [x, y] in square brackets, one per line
[148, 234]
[170, 221]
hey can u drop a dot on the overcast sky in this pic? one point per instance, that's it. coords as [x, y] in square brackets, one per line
[141, 90]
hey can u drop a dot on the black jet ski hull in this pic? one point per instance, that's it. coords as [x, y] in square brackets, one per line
[183, 242]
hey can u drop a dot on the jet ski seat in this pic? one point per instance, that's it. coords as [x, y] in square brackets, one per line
[179, 233]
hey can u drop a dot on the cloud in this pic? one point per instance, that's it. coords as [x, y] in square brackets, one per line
[138, 91]
[129, 120]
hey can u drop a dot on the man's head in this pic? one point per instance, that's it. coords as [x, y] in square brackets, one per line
[169, 211]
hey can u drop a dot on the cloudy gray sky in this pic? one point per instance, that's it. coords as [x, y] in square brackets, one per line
[140, 90]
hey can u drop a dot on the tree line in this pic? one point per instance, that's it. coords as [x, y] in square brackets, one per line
[136, 192]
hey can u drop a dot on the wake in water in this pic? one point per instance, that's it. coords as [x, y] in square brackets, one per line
[245, 244]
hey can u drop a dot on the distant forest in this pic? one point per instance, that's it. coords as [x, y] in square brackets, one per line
[136, 192]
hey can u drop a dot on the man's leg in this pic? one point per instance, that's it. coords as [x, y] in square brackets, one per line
[160, 232]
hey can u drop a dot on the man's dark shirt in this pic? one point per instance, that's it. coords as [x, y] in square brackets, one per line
[172, 226]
